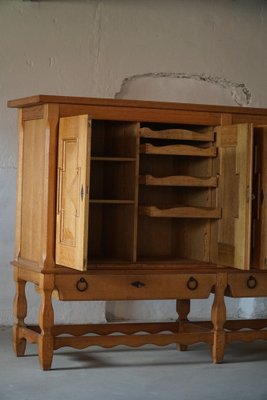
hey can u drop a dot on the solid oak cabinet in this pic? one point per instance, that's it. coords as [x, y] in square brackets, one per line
[136, 200]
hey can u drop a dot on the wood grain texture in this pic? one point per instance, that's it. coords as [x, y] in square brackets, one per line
[179, 180]
[73, 177]
[180, 212]
[231, 243]
[176, 134]
[178, 150]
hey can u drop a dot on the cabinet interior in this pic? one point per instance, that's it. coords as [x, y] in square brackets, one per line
[161, 192]
[150, 192]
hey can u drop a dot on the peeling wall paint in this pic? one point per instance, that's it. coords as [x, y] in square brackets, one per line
[240, 94]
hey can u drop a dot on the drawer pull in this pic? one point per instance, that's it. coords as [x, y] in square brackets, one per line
[138, 284]
[82, 285]
[192, 283]
[252, 282]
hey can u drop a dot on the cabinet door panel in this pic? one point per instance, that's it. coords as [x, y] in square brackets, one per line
[73, 183]
[231, 236]
[259, 209]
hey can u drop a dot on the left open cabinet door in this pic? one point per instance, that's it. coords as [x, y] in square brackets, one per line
[72, 192]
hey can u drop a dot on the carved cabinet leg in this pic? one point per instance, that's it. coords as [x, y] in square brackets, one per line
[183, 309]
[218, 316]
[20, 312]
[46, 323]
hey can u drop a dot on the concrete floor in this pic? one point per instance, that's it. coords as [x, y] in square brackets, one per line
[129, 374]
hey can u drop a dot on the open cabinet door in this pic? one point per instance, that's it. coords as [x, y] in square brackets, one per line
[259, 209]
[73, 182]
[231, 235]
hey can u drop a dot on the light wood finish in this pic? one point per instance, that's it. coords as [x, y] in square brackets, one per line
[20, 313]
[166, 212]
[181, 180]
[178, 150]
[46, 322]
[249, 284]
[218, 317]
[73, 188]
[134, 286]
[183, 310]
[180, 212]
[176, 134]
[232, 245]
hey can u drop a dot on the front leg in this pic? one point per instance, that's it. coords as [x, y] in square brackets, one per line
[218, 316]
[183, 309]
[46, 323]
[20, 313]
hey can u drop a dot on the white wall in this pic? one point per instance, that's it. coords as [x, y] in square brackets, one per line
[183, 50]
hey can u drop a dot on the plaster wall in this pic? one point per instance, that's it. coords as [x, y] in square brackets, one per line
[183, 50]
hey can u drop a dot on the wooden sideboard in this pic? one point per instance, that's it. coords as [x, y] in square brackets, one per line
[137, 200]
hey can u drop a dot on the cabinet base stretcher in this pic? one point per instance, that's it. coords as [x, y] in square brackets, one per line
[216, 333]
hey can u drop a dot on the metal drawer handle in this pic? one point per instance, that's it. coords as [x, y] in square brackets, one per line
[192, 283]
[82, 285]
[138, 284]
[252, 282]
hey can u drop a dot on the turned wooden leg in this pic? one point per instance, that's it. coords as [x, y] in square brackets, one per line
[20, 312]
[218, 316]
[183, 309]
[46, 323]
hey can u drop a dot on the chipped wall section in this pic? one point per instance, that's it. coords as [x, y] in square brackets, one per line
[185, 87]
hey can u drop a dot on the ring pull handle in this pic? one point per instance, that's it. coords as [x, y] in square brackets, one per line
[82, 285]
[252, 282]
[192, 283]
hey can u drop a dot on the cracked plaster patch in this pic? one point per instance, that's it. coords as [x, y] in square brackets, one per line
[235, 92]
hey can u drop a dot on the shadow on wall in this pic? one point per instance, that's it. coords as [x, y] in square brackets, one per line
[183, 88]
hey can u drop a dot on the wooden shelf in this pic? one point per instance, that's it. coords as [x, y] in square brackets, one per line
[179, 180]
[178, 149]
[120, 159]
[180, 212]
[176, 134]
[110, 201]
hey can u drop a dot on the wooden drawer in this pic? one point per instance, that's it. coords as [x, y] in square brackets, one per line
[134, 286]
[251, 284]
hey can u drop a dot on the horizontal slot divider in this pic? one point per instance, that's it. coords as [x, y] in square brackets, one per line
[179, 134]
[180, 212]
[178, 149]
[110, 201]
[82, 342]
[179, 180]
[116, 159]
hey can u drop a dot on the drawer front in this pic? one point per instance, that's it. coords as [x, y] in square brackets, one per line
[134, 287]
[251, 284]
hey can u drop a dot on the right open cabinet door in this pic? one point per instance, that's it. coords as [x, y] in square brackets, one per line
[231, 234]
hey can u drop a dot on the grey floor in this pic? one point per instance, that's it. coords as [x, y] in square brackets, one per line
[123, 373]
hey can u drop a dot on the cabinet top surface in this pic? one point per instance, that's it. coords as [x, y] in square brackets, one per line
[105, 102]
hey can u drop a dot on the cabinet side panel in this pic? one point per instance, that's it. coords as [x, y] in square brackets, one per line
[32, 189]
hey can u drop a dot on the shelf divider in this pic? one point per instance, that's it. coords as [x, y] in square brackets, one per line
[180, 212]
[179, 180]
[178, 149]
[176, 134]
